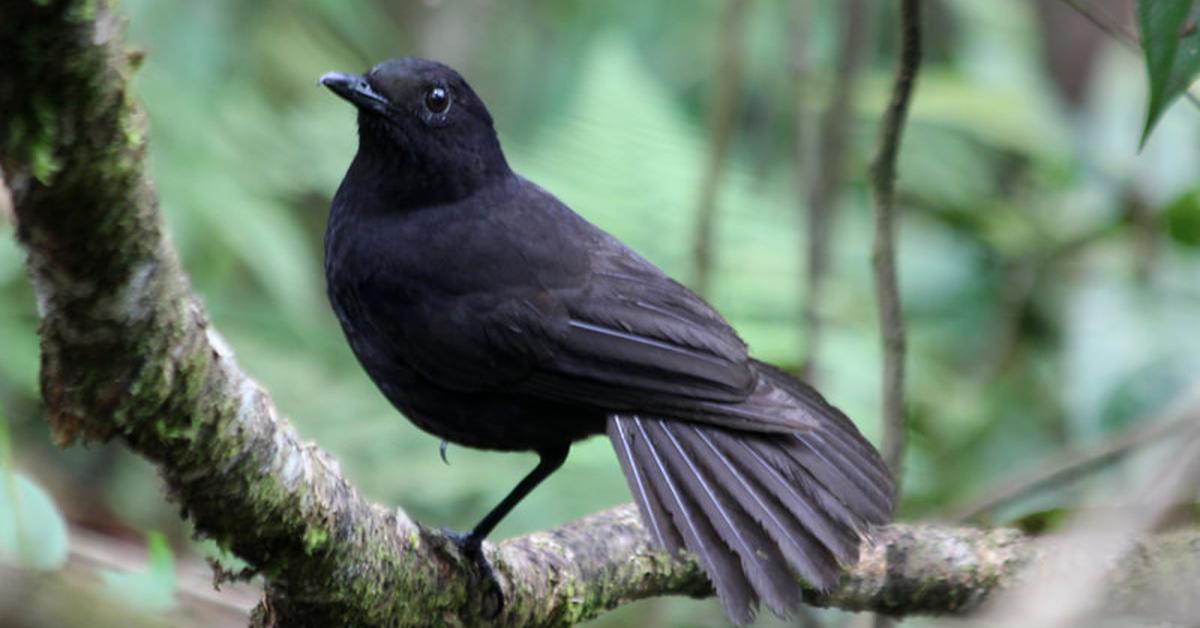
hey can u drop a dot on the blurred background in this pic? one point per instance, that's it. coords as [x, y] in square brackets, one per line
[1050, 273]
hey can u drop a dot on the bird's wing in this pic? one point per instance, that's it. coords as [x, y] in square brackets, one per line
[575, 346]
[622, 336]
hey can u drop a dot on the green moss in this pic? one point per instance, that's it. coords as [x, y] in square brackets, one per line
[224, 543]
[43, 163]
[16, 134]
[41, 149]
[172, 429]
[134, 133]
[82, 11]
[314, 539]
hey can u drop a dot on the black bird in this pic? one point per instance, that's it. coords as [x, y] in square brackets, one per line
[493, 316]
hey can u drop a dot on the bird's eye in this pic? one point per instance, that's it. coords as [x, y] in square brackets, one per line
[437, 100]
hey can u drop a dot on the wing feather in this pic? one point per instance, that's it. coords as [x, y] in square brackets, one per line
[590, 322]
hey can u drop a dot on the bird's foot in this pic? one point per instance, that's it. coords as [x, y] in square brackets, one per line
[471, 548]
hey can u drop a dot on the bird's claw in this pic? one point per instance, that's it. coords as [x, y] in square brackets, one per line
[471, 547]
[442, 451]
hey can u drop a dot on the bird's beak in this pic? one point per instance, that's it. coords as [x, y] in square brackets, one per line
[355, 89]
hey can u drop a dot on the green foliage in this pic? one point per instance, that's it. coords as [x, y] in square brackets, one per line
[1171, 43]
[1038, 315]
[1183, 219]
[32, 531]
[1043, 521]
[152, 589]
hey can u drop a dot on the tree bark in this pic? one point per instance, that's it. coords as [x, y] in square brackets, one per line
[883, 250]
[128, 354]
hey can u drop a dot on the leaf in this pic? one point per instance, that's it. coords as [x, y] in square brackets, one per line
[1043, 521]
[1171, 45]
[1144, 390]
[152, 589]
[1183, 219]
[31, 529]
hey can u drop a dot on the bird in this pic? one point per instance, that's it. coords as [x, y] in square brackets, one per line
[493, 316]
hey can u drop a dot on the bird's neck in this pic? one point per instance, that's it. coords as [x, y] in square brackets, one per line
[404, 179]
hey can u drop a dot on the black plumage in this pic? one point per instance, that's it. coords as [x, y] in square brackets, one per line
[493, 316]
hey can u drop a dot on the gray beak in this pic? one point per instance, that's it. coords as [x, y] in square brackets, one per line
[356, 90]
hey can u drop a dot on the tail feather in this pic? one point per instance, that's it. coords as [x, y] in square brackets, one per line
[827, 520]
[756, 507]
[733, 588]
[857, 459]
[765, 496]
[842, 471]
[759, 556]
[653, 511]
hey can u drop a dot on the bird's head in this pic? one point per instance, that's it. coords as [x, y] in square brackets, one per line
[422, 116]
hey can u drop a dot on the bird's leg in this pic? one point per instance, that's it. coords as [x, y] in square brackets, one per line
[549, 462]
[471, 544]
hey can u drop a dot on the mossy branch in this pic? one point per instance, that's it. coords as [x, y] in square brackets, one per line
[128, 354]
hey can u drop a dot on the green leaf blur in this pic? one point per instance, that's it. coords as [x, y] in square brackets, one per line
[1171, 43]
[32, 531]
[152, 589]
[1050, 272]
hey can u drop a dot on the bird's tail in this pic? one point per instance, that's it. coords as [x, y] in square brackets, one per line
[756, 509]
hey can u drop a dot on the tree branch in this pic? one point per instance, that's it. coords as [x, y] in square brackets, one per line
[724, 116]
[1065, 466]
[829, 166]
[128, 354]
[883, 190]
